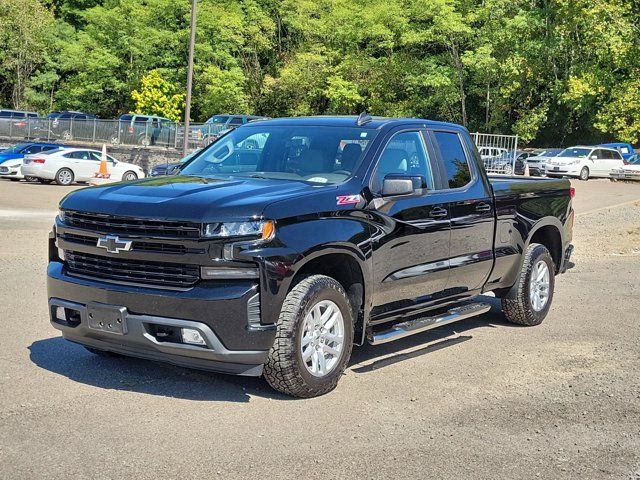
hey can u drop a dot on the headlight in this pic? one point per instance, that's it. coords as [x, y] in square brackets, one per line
[62, 215]
[261, 229]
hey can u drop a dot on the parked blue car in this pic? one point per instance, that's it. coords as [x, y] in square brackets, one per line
[22, 149]
[625, 149]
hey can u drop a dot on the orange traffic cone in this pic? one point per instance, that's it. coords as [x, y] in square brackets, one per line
[526, 170]
[103, 172]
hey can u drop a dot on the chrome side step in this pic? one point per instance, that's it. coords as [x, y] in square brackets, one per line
[411, 327]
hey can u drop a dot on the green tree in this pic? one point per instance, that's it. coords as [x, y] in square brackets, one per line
[159, 97]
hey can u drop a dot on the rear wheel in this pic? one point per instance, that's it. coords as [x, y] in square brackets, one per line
[64, 177]
[508, 169]
[67, 136]
[313, 341]
[144, 141]
[584, 173]
[534, 289]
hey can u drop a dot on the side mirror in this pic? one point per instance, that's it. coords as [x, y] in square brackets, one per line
[394, 185]
[593, 157]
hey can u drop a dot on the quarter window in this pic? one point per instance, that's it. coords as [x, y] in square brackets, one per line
[454, 159]
[406, 155]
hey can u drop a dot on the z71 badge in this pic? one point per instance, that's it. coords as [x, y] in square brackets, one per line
[348, 199]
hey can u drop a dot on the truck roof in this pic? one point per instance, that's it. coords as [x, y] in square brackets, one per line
[350, 121]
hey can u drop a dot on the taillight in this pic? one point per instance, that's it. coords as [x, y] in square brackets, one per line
[20, 124]
[130, 129]
[37, 160]
[572, 192]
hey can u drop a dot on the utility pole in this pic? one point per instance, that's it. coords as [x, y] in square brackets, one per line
[187, 108]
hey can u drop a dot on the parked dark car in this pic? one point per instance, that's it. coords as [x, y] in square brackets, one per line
[144, 130]
[18, 124]
[170, 168]
[68, 124]
[276, 260]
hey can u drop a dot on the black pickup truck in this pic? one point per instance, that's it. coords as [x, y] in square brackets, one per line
[275, 260]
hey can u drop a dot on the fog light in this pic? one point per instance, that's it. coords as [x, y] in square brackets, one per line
[192, 336]
[61, 314]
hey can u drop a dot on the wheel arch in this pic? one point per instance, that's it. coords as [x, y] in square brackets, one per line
[549, 233]
[349, 269]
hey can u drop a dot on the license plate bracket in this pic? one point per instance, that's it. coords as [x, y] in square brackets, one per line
[107, 318]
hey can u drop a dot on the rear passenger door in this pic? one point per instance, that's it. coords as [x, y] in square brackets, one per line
[470, 206]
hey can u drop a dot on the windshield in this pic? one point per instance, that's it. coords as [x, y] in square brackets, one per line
[313, 154]
[575, 152]
[218, 119]
[635, 160]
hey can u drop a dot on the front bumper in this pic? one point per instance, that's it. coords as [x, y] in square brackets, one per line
[218, 312]
[625, 176]
[562, 171]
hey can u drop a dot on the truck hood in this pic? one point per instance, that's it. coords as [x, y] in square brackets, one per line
[185, 198]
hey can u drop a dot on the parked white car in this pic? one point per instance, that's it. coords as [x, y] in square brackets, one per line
[491, 152]
[12, 169]
[70, 165]
[584, 162]
[631, 171]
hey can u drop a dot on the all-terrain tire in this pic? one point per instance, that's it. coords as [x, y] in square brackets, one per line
[520, 310]
[285, 370]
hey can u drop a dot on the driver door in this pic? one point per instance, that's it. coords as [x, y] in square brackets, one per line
[411, 244]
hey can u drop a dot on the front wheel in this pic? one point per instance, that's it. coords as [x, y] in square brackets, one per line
[534, 289]
[584, 174]
[314, 338]
[508, 169]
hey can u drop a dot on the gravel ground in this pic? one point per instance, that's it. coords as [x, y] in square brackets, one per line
[477, 399]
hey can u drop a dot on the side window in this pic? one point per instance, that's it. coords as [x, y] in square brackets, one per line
[455, 161]
[406, 155]
[599, 154]
[616, 155]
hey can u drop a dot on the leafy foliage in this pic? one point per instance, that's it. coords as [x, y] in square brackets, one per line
[556, 72]
[157, 96]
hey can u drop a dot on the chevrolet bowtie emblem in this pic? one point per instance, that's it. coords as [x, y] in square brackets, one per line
[113, 244]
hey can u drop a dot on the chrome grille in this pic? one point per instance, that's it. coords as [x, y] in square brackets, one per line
[131, 271]
[133, 226]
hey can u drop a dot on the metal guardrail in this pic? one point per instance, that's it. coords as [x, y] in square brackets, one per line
[498, 152]
[111, 132]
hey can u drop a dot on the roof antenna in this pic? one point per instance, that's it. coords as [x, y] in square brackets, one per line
[363, 118]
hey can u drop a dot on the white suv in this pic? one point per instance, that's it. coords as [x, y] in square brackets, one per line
[584, 162]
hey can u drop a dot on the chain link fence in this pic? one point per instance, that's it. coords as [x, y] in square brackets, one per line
[498, 152]
[153, 133]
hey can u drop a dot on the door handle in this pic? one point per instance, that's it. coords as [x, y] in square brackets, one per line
[483, 207]
[438, 212]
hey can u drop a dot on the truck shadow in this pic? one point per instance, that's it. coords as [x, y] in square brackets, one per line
[369, 358]
[154, 378]
[142, 376]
